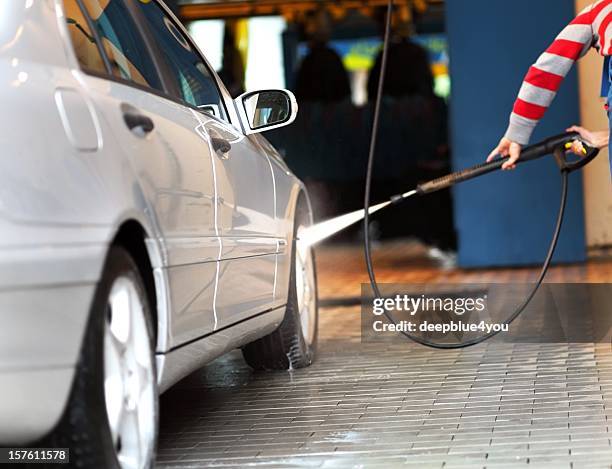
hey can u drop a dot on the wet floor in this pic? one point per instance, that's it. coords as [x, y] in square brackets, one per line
[393, 405]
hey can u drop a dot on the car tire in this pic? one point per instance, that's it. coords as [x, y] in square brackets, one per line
[116, 365]
[293, 344]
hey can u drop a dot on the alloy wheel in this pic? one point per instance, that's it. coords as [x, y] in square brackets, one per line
[129, 378]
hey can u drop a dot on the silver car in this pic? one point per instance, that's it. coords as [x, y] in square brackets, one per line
[145, 226]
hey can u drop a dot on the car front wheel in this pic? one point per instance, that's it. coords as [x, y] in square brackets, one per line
[294, 343]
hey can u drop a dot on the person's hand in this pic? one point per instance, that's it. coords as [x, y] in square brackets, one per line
[507, 149]
[594, 139]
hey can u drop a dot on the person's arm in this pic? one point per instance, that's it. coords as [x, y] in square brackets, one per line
[545, 77]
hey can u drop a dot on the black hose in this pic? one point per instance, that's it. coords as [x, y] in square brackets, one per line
[372, 154]
[367, 244]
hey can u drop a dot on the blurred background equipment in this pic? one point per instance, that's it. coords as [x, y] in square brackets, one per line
[330, 58]
[328, 53]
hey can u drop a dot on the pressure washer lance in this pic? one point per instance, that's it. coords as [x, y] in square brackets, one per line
[557, 146]
[550, 146]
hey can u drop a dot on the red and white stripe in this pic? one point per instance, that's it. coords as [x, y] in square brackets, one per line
[591, 28]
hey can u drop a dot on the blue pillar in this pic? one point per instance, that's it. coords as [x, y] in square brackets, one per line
[507, 219]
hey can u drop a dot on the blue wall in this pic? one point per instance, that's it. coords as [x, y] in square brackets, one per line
[508, 218]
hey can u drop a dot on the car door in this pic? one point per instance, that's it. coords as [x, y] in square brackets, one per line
[244, 179]
[169, 154]
[245, 183]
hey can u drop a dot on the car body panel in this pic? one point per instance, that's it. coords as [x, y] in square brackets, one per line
[178, 363]
[173, 168]
[43, 391]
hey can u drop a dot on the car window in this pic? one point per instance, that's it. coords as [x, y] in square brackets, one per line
[195, 81]
[83, 41]
[122, 43]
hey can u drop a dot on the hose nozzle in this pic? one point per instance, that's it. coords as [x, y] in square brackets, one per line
[399, 198]
[396, 199]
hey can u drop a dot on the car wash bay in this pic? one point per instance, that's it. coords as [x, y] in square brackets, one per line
[387, 405]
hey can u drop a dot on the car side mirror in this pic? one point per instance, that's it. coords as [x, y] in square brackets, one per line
[266, 110]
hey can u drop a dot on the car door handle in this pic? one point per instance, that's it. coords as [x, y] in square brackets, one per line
[136, 121]
[220, 145]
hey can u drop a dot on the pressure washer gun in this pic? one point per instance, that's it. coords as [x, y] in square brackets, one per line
[557, 146]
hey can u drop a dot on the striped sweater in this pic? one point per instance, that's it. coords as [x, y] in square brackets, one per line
[591, 28]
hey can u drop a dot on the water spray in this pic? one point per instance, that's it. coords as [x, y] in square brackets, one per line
[314, 234]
